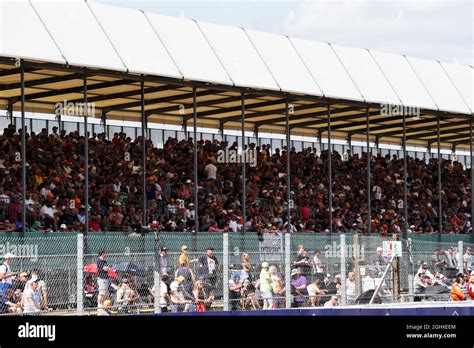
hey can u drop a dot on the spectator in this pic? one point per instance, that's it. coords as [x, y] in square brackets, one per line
[32, 299]
[420, 286]
[266, 286]
[318, 265]
[451, 259]
[249, 295]
[247, 268]
[380, 261]
[183, 258]
[90, 292]
[298, 286]
[333, 302]
[178, 301]
[457, 293]
[12, 302]
[470, 287]
[315, 292]
[6, 274]
[201, 297]
[189, 280]
[278, 288]
[103, 278]
[303, 263]
[211, 170]
[235, 287]
[438, 262]
[164, 293]
[425, 271]
[163, 261]
[125, 297]
[42, 288]
[20, 282]
[467, 259]
[208, 266]
[368, 282]
[55, 171]
[350, 288]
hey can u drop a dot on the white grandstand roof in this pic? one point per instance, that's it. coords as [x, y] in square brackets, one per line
[87, 34]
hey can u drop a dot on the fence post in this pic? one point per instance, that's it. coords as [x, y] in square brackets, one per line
[80, 280]
[225, 262]
[410, 274]
[357, 273]
[157, 292]
[343, 269]
[288, 270]
[460, 257]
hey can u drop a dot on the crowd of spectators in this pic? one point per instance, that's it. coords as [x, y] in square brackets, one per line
[21, 293]
[55, 188]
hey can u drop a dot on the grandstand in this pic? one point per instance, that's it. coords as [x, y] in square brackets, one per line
[99, 64]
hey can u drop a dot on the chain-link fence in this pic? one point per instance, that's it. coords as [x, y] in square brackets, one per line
[154, 273]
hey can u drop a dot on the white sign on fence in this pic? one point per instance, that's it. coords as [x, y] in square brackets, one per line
[271, 248]
[392, 248]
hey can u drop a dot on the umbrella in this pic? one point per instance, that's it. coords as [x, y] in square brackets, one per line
[129, 267]
[92, 268]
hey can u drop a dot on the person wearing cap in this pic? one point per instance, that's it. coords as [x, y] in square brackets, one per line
[63, 228]
[266, 286]
[183, 258]
[235, 288]
[42, 288]
[177, 297]
[190, 215]
[424, 269]
[6, 274]
[298, 288]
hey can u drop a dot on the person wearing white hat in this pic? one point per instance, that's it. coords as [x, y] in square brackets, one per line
[6, 274]
[266, 286]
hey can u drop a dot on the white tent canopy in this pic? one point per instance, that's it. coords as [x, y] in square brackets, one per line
[86, 34]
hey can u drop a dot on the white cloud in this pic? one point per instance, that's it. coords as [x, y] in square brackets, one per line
[441, 30]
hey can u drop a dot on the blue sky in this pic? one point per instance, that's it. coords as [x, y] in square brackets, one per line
[441, 30]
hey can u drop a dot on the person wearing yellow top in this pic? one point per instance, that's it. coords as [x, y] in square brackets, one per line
[183, 258]
[38, 178]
